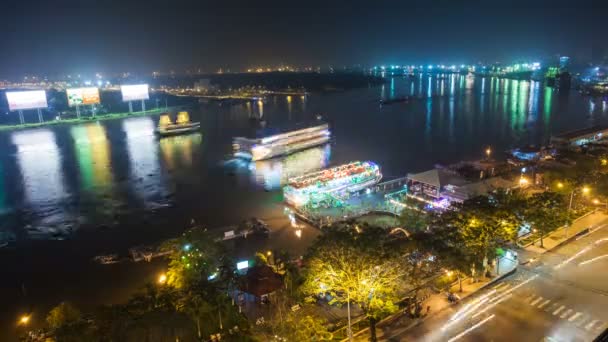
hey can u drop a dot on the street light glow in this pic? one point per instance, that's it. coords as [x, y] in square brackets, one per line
[162, 278]
[23, 320]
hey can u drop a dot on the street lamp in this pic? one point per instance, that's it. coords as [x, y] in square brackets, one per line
[488, 152]
[523, 182]
[24, 319]
[162, 278]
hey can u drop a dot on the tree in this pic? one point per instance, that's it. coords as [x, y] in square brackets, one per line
[63, 314]
[546, 211]
[297, 326]
[356, 266]
[486, 223]
[414, 220]
[194, 257]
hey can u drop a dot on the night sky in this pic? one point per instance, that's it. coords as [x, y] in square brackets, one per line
[53, 37]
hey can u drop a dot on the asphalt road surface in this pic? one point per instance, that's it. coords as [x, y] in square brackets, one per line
[561, 296]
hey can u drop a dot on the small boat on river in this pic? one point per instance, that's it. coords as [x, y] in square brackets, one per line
[182, 125]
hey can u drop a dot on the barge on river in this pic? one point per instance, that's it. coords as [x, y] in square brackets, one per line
[182, 125]
[273, 142]
[349, 178]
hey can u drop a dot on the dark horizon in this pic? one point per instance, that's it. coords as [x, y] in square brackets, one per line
[115, 36]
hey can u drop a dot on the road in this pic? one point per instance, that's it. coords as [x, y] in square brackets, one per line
[561, 296]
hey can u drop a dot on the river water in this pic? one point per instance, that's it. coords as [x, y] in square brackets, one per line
[68, 193]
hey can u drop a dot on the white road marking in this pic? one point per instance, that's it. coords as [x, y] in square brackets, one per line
[566, 313]
[600, 327]
[544, 303]
[550, 308]
[558, 310]
[590, 325]
[536, 301]
[471, 329]
[581, 322]
[500, 286]
[575, 316]
[592, 260]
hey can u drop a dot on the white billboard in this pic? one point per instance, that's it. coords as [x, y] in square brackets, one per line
[21, 100]
[82, 96]
[134, 92]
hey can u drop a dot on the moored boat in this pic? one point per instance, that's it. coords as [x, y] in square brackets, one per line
[182, 125]
[272, 142]
[346, 178]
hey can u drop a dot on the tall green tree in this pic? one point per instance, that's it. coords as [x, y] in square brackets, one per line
[63, 314]
[486, 223]
[356, 266]
[546, 211]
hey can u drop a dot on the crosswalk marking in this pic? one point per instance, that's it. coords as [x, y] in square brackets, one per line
[558, 310]
[529, 298]
[575, 316]
[590, 325]
[551, 307]
[544, 303]
[536, 301]
[580, 322]
[566, 313]
[600, 327]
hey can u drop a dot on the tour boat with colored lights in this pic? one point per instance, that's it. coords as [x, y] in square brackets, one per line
[349, 178]
[273, 142]
[182, 125]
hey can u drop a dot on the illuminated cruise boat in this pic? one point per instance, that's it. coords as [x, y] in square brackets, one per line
[350, 177]
[271, 142]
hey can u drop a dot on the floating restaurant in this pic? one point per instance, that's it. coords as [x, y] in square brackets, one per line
[348, 178]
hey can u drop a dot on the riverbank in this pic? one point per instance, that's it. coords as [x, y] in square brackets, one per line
[75, 121]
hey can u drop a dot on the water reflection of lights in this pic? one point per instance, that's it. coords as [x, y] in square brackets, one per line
[274, 173]
[93, 155]
[142, 148]
[39, 160]
[177, 151]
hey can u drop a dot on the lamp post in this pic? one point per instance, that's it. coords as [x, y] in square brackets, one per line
[488, 153]
[349, 330]
[585, 190]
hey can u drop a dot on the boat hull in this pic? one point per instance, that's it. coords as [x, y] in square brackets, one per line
[178, 130]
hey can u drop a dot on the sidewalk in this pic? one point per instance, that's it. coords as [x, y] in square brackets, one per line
[561, 235]
[400, 322]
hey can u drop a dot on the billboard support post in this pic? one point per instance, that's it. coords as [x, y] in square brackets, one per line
[130, 107]
[39, 115]
[143, 105]
[78, 111]
[93, 110]
[21, 117]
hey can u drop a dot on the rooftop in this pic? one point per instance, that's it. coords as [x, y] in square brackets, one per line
[438, 178]
[582, 132]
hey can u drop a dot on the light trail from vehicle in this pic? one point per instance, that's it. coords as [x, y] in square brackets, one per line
[484, 321]
[468, 308]
[593, 260]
